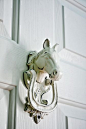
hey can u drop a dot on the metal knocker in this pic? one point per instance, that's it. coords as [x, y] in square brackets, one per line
[40, 81]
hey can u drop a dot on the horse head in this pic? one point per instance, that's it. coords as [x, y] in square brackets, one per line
[47, 61]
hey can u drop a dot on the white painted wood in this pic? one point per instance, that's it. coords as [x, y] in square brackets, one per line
[71, 111]
[15, 20]
[6, 86]
[72, 86]
[7, 16]
[78, 6]
[72, 58]
[58, 19]
[4, 103]
[7, 48]
[76, 123]
[82, 2]
[61, 119]
[71, 117]
[36, 23]
[75, 39]
[24, 121]
[71, 91]
[5, 30]
[13, 58]
[1, 9]
[71, 103]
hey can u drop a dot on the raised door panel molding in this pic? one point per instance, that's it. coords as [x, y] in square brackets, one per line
[58, 24]
[73, 58]
[6, 86]
[71, 111]
[75, 32]
[76, 123]
[73, 83]
[78, 6]
[71, 116]
[71, 103]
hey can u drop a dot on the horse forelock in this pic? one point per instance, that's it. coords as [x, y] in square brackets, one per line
[31, 58]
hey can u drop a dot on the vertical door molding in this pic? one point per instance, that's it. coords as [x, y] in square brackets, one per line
[66, 112]
[79, 6]
[15, 37]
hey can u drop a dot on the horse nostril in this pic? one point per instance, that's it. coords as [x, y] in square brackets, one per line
[54, 72]
[49, 75]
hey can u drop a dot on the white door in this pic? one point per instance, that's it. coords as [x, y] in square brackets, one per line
[5, 31]
[29, 23]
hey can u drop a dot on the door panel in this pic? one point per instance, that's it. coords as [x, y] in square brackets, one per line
[10, 68]
[36, 24]
[72, 102]
[75, 39]
[5, 18]
[73, 64]
[4, 104]
[5, 43]
[72, 86]
[5, 31]
[76, 123]
[1, 9]
[71, 117]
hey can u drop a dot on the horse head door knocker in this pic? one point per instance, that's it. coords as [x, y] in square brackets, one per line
[43, 71]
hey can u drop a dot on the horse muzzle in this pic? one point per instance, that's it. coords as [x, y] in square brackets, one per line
[55, 75]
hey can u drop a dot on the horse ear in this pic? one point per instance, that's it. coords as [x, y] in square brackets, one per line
[46, 43]
[55, 47]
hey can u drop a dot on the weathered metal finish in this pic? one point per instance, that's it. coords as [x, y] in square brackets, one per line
[40, 80]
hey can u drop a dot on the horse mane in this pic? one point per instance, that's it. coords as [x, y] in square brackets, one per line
[31, 57]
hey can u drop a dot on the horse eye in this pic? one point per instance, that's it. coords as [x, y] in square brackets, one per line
[45, 52]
